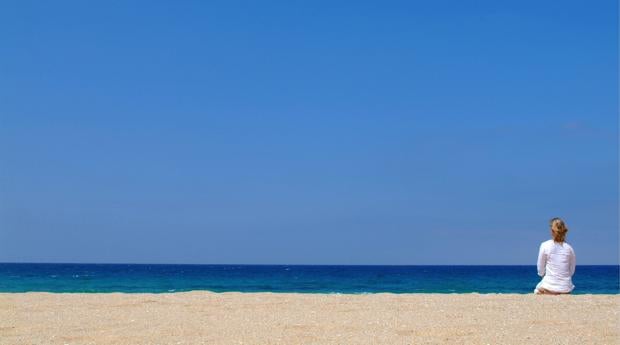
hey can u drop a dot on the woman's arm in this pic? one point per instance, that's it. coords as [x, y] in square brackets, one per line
[542, 260]
[573, 262]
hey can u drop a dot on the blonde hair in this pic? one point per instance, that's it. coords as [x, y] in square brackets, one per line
[558, 229]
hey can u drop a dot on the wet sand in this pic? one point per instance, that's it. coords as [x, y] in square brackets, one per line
[265, 318]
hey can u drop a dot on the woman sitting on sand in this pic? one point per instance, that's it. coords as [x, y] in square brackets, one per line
[556, 262]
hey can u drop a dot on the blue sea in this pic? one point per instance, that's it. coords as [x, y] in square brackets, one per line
[132, 278]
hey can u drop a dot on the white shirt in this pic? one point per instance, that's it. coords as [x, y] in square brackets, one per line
[556, 264]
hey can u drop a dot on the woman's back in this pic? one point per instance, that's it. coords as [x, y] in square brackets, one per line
[557, 261]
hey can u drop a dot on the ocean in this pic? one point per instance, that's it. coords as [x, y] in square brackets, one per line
[134, 278]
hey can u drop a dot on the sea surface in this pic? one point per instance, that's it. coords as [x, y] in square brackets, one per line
[133, 278]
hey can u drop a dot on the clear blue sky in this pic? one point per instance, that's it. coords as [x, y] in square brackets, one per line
[307, 132]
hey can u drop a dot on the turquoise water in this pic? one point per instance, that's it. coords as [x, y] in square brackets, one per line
[282, 278]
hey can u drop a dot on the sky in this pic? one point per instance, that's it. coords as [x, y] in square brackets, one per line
[307, 132]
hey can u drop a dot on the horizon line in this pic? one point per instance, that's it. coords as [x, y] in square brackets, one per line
[238, 264]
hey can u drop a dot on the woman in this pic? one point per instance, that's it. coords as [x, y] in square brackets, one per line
[556, 262]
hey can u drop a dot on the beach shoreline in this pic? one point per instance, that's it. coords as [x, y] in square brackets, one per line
[201, 317]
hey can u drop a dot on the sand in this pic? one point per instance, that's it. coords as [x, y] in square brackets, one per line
[266, 318]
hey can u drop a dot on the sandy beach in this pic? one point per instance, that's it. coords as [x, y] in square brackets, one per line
[267, 318]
